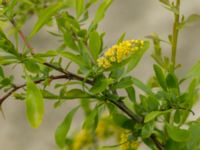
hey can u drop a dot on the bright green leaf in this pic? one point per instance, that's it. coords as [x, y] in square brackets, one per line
[142, 86]
[69, 40]
[100, 13]
[75, 58]
[91, 120]
[79, 7]
[100, 85]
[63, 128]
[6, 45]
[34, 104]
[32, 66]
[147, 130]
[121, 38]
[95, 44]
[152, 115]
[166, 2]
[177, 134]
[45, 16]
[136, 57]
[194, 72]
[123, 83]
[160, 76]
[171, 81]
[76, 93]
[69, 95]
[131, 94]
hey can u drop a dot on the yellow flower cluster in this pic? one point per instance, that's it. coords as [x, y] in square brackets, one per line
[81, 139]
[126, 144]
[101, 129]
[117, 53]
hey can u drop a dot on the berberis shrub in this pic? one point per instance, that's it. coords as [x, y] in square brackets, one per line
[156, 114]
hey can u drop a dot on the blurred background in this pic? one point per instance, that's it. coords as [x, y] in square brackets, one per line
[138, 18]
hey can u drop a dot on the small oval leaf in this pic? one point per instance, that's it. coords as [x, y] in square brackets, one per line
[34, 104]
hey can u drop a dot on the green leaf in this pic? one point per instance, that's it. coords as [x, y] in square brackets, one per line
[136, 57]
[100, 12]
[69, 3]
[166, 2]
[77, 93]
[63, 128]
[45, 16]
[142, 86]
[177, 134]
[69, 95]
[34, 104]
[100, 85]
[194, 129]
[152, 115]
[49, 53]
[177, 116]
[122, 121]
[79, 7]
[131, 94]
[95, 44]
[6, 45]
[194, 72]
[192, 18]
[69, 40]
[32, 66]
[147, 130]
[160, 77]
[171, 81]
[123, 83]
[75, 58]
[91, 120]
[121, 38]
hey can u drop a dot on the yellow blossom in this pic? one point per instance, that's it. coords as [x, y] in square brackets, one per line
[101, 129]
[117, 53]
[81, 139]
[127, 144]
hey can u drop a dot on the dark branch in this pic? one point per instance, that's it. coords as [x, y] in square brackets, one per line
[69, 74]
[17, 87]
[156, 142]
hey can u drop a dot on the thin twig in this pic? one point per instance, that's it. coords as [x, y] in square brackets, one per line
[69, 74]
[156, 142]
[17, 87]
[23, 37]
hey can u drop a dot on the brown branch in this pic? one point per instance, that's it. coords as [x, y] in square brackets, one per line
[69, 74]
[17, 87]
[156, 142]
[126, 110]
[23, 37]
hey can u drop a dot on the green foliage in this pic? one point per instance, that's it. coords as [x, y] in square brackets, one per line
[45, 16]
[114, 103]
